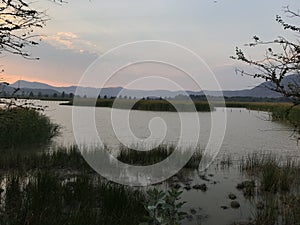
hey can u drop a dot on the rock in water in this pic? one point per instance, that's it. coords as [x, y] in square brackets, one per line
[232, 196]
[235, 205]
[202, 187]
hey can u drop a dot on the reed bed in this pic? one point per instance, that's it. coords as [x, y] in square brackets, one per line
[277, 193]
[60, 158]
[59, 187]
[144, 158]
[146, 104]
[279, 111]
[43, 198]
[275, 174]
[21, 127]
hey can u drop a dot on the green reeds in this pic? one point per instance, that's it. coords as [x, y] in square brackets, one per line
[70, 158]
[43, 198]
[278, 209]
[144, 158]
[59, 158]
[19, 127]
[274, 173]
[279, 111]
[278, 189]
[268, 214]
[146, 105]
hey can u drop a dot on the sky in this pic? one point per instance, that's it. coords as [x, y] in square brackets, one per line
[80, 32]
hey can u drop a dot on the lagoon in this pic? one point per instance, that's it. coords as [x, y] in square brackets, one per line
[247, 131]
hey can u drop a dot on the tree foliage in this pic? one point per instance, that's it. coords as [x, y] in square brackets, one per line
[282, 58]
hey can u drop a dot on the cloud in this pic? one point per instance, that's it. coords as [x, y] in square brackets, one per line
[70, 40]
[56, 65]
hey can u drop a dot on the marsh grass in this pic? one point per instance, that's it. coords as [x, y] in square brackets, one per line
[270, 177]
[60, 158]
[143, 158]
[290, 209]
[278, 209]
[42, 198]
[70, 158]
[269, 213]
[146, 104]
[21, 127]
[279, 111]
[288, 175]
[274, 173]
[172, 105]
[278, 188]
[59, 187]
[226, 161]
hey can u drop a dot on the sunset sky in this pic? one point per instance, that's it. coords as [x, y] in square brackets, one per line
[80, 31]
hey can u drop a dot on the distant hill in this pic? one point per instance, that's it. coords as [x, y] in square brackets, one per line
[25, 91]
[261, 90]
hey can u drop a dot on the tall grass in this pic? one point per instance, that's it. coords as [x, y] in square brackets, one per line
[147, 105]
[70, 158]
[144, 158]
[172, 105]
[277, 190]
[19, 127]
[278, 209]
[274, 173]
[42, 198]
[269, 214]
[59, 187]
[58, 159]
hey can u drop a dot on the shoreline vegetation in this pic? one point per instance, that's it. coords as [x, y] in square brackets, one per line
[280, 111]
[145, 104]
[21, 127]
[59, 186]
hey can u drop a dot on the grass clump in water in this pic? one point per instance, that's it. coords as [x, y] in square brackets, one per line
[146, 104]
[20, 126]
[156, 155]
[274, 173]
[277, 196]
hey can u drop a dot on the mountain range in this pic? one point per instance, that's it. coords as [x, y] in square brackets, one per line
[38, 88]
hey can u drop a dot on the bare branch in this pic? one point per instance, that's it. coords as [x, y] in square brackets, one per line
[18, 21]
